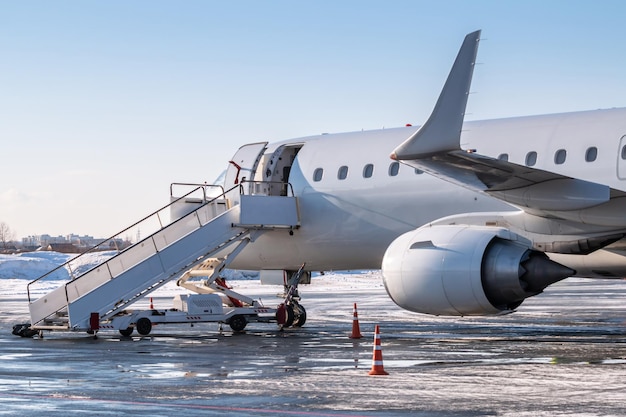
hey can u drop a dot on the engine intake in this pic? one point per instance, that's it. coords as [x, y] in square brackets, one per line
[465, 270]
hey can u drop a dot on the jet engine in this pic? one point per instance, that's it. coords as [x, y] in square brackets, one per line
[465, 270]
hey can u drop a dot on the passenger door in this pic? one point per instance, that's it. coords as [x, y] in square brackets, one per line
[242, 166]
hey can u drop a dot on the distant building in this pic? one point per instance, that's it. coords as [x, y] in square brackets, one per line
[71, 243]
[61, 247]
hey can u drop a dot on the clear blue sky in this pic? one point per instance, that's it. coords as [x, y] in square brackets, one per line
[104, 104]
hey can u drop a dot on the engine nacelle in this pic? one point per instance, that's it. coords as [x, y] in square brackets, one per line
[465, 270]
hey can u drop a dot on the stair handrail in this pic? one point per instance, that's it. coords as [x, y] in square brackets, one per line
[95, 248]
[242, 189]
[204, 186]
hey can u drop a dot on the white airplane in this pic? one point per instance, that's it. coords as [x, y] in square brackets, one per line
[463, 218]
[541, 198]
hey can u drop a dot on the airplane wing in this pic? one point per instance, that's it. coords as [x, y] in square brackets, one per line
[533, 190]
[435, 148]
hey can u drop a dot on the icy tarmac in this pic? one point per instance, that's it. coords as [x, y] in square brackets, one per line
[562, 354]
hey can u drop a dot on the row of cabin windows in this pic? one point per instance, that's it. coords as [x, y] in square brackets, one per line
[591, 154]
[560, 156]
[368, 171]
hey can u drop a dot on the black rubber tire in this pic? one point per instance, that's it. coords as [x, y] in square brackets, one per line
[238, 323]
[290, 316]
[301, 318]
[31, 333]
[127, 331]
[144, 326]
[24, 330]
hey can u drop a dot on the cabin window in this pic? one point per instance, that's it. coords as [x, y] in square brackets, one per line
[418, 171]
[342, 173]
[560, 156]
[503, 157]
[394, 168]
[368, 171]
[318, 174]
[592, 154]
[531, 158]
[624, 152]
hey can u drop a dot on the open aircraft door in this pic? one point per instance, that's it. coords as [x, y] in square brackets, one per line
[242, 166]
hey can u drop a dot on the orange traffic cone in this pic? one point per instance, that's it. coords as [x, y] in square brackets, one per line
[356, 331]
[377, 361]
[151, 306]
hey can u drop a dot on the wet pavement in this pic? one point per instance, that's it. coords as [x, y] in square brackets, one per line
[562, 354]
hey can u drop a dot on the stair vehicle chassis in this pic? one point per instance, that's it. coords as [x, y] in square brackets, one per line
[201, 308]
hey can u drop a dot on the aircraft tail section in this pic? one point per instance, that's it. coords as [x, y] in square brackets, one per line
[442, 130]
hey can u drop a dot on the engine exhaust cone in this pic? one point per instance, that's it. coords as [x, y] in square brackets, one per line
[542, 272]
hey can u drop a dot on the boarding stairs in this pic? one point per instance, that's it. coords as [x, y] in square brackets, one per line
[199, 229]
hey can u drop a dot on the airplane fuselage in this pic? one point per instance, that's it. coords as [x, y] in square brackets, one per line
[354, 200]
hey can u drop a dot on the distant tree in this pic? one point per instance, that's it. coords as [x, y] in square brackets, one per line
[6, 235]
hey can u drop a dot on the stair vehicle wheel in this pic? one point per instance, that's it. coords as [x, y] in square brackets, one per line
[300, 316]
[127, 331]
[237, 323]
[144, 326]
[24, 330]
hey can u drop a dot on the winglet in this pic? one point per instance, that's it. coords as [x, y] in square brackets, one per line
[442, 130]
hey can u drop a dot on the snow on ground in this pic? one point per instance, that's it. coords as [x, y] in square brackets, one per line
[16, 271]
[32, 265]
[19, 269]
